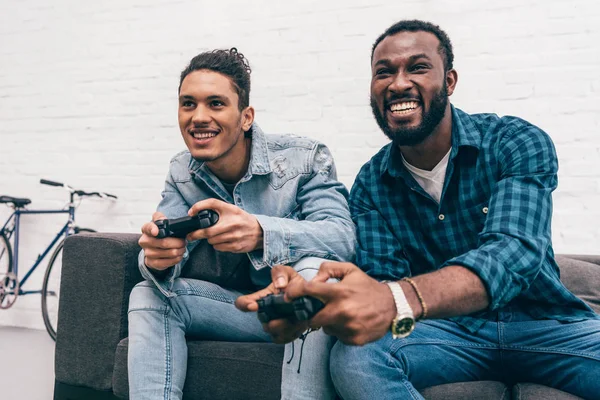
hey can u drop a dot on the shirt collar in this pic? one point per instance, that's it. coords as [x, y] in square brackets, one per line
[259, 154]
[464, 133]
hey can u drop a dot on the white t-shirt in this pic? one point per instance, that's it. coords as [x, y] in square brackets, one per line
[431, 181]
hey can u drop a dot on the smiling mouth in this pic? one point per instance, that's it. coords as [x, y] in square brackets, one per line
[403, 108]
[203, 134]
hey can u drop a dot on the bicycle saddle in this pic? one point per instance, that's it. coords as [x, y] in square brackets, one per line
[18, 202]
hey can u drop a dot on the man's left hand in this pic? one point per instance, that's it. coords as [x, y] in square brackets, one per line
[235, 232]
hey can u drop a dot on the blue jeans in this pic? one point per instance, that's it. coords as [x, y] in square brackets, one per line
[157, 357]
[514, 349]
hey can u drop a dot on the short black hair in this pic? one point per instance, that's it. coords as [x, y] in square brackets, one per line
[227, 62]
[415, 25]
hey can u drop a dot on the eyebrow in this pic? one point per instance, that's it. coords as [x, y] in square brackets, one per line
[410, 59]
[211, 97]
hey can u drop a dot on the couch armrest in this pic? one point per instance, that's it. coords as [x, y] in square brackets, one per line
[581, 275]
[99, 270]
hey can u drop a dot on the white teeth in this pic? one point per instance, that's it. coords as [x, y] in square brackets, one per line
[404, 106]
[204, 135]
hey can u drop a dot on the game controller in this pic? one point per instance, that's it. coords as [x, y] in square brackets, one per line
[180, 227]
[274, 306]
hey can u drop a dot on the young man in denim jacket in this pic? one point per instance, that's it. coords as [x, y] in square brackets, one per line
[278, 202]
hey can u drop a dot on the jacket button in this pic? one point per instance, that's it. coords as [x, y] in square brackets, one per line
[485, 210]
[441, 217]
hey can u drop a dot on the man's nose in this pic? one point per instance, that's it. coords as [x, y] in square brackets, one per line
[201, 115]
[401, 83]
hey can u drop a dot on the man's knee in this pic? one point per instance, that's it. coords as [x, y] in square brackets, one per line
[308, 267]
[146, 296]
[343, 360]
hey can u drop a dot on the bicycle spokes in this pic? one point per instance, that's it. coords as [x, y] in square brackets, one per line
[9, 290]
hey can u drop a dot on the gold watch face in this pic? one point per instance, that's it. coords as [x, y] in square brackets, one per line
[402, 327]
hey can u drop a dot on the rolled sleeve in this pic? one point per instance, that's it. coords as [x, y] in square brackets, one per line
[517, 231]
[324, 227]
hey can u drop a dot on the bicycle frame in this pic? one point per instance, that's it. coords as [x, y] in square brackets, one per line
[16, 215]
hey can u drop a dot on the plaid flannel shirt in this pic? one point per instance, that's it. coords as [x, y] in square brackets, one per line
[493, 218]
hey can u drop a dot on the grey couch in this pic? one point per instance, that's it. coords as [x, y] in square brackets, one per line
[99, 271]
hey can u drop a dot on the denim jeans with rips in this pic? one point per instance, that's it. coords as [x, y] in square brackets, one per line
[157, 357]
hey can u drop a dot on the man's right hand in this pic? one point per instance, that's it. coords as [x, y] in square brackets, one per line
[160, 254]
[281, 330]
[358, 309]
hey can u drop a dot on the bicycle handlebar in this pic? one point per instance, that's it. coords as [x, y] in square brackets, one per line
[99, 194]
[77, 192]
[51, 183]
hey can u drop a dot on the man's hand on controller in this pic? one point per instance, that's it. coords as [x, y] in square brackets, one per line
[358, 309]
[236, 232]
[281, 330]
[160, 254]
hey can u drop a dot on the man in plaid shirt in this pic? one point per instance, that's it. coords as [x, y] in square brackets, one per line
[456, 214]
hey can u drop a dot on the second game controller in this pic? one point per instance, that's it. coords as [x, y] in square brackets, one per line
[274, 306]
[180, 227]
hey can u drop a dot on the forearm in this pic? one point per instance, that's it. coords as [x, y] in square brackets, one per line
[288, 241]
[448, 292]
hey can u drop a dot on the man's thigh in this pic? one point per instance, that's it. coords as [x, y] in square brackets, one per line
[561, 355]
[202, 309]
[436, 352]
[441, 351]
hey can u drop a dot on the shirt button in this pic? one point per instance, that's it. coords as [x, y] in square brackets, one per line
[441, 217]
[485, 210]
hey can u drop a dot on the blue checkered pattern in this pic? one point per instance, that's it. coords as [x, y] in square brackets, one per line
[494, 218]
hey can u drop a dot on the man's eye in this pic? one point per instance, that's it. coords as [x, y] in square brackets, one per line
[383, 71]
[420, 67]
[217, 103]
[187, 104]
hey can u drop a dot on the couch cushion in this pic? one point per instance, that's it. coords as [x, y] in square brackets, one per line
[582, 278]
[532, 391]
[481, 390]
[233, 370]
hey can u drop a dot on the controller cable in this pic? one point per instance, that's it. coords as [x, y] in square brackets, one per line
[303, 338]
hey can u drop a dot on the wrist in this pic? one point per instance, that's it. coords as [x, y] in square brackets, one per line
[403, 322]
[158, 273]
[413, 300]
[389, 309]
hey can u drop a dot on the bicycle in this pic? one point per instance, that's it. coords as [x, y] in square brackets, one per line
[10, 285]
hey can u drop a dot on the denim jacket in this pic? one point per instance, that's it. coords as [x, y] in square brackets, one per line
[290, 187]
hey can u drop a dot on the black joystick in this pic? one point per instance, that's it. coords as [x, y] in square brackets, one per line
[180, 227]
[274, 307]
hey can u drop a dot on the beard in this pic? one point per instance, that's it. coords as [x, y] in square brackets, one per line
[412, 136]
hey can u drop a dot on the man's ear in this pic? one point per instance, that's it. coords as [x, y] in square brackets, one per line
[247, 118]
[451, 79]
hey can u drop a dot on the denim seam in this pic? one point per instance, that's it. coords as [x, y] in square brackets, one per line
[552, 351]
[206, 295]
[397, 346]
[168, 377]
[393, 363]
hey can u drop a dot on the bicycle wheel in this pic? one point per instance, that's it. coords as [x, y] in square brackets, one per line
[7, 289]
[5, 255]
[51, 287]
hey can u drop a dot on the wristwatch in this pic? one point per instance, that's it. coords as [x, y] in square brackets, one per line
[404, 322]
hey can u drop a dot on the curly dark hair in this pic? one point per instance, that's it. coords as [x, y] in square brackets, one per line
[227, 62]
[415, 25]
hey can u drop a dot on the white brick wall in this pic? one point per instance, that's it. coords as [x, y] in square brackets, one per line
[88, 93]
